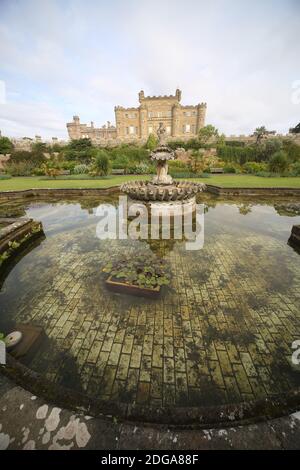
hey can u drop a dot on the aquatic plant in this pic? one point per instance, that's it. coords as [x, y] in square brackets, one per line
[144, 270]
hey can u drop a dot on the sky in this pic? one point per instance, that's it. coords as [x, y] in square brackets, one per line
[59, 58]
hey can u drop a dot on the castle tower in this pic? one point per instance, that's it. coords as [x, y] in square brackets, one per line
[201, 113]
[74, 128]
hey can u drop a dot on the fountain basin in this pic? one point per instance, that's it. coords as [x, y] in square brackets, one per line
[147, 191]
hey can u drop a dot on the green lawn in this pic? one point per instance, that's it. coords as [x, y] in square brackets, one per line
[227, 181]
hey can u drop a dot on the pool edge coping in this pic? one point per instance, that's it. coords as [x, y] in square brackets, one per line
[181, 417]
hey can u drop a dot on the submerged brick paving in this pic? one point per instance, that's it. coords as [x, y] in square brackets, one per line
[222, 331]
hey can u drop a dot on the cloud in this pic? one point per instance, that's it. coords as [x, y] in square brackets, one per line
[60, 58]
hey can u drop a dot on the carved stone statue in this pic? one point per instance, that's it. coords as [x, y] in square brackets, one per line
[161, 134]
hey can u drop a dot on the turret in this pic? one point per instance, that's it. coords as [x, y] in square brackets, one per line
[178, 94]
[74, 128]
[141, 96]
[201, 113]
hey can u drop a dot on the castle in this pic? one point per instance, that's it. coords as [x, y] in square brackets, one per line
[136, 124]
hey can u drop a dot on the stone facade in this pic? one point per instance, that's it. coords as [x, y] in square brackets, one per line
[136, 124]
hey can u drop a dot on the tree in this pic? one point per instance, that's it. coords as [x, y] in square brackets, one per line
[6, 146]
[278, 162]
[101, 164]
[295, 130]
[151, 142]
[80, 144]
[206, 133]
[260, 133]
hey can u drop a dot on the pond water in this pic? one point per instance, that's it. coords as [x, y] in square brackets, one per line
[220, 333]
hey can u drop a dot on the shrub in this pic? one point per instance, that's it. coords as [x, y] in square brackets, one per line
[254, 167]
[20, 156]
[177, 166]
[67, 165]
[6, 146]
[101, 164]
[229, 169]
[50, 169]
[295, 169]
[141, 169]
[5, 177]
[38, 172]
[132, 153]
[152, 142]
[122, 161]
[79, 145]
[81, 169]
[278, 162]
[292, 150]
[21, 168]
[236, 154]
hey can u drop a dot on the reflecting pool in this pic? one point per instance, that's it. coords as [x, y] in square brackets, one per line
[221, 332]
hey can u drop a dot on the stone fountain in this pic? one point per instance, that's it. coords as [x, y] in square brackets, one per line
[162, 187]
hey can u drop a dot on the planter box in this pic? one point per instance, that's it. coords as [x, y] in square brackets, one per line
[122, 288]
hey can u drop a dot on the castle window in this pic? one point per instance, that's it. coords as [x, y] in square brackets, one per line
[187, 128]
[131, 130]
[150, 130]
[168, 129]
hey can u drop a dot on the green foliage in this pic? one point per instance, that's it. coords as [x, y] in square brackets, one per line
[278, 162]
[191, 144]
[3, 257]
[81, 169]
[80, 145]
[100, 164]
[143, 270]
[79, 151]
[259, 133]
[21, 168]
[255, 167]
[50, 169]
[235, 143]
[152, 142]
[235, 154]
[2, 336]
[206, 133]
[295, 169]
[6, 146]
[292, 150]
[122, 161]
[21, 156]
[229, 169]
[141, 169]
[133, 153]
